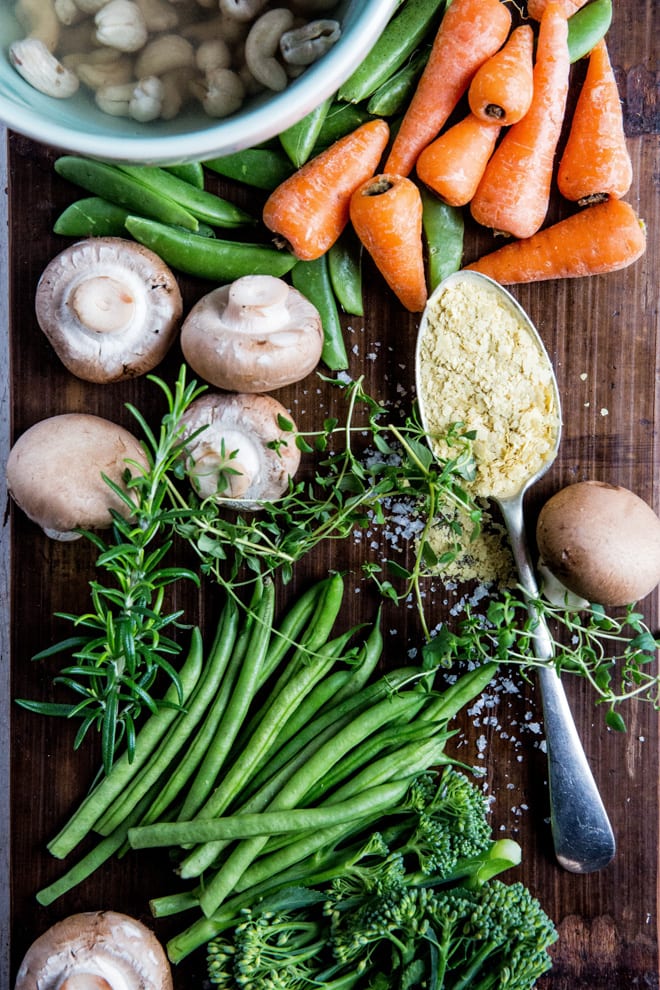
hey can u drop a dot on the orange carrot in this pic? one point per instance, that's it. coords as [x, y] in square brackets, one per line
[311, 208]
[514, 193]
[469, 33]
[453, 164]
[598, 239]
[595, 162]
[386, 213]
[501, 90]
[536, 8]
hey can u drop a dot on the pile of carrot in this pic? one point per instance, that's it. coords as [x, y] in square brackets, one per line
[483, 130]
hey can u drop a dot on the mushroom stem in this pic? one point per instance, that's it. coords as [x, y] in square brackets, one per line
[228, 466]
[258, 302]
[103, 304]
[84, 981]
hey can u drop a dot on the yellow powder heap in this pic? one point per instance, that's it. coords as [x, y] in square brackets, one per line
[480, 365]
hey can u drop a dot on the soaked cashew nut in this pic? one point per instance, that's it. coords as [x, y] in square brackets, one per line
[120, 25]
[91, 6]
[304, 45]
[221, 93]
[115, 100]
[213, 54]
[39, 67]
[68, 12]
[159, 15]
[102, 67]
[163, 54]
[176, 91]
[146, 101]
[242, 10]
[262, 44]
[39, 20]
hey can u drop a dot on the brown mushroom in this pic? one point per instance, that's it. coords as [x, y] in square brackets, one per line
[255, 335]
[95, 950]
[240, 448]
[109, 307]
[601, 541]
[55, 472]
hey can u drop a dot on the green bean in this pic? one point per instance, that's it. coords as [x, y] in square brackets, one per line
[101, 796]
[443, 232]
[456, 696]
[394, 94]
[173, 744]
[208, 258]
[191, 172]
[201, 204]
[345, 269]
[291, 626]
[587, 26]
[312, 278]
[218, 886]
[263, 168]
[109, 182]
[300, 139]
[401, 37]
[341, 119]
[369, 801]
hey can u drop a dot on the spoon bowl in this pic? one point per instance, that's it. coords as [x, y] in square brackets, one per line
[582, 834]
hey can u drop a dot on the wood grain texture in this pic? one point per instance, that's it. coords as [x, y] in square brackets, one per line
[603, 336]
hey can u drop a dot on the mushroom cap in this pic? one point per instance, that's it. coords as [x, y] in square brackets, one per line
[256, 334]
[601, 541]
[54, 472]
[109, 307]
[117, 950]
[235, 434]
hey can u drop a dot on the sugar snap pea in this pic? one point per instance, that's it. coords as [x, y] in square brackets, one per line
[191, 172]
[341, 119]
[587, 26]
[394, 94]
[109, 182]
[299, 140]
[345, 267]
[96, 217]
[206, 257]
[443, 231]
[402, 35]
[312, 278]
[203, 205]
[263, 168]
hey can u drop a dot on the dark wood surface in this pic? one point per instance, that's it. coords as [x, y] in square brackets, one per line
[602, 334]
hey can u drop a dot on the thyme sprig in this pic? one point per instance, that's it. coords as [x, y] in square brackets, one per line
[121, 644]
[615, 654]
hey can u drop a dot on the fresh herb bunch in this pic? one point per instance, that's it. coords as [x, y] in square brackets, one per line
[121, 644]
[613, 654]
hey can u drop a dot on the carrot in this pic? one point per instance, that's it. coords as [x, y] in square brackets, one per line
[469, 33]
[536, 8]
[514, 192]
[453, 164]
[598, 239]
[386, 213]
[501, 90]
[595, 162]
[310, 209]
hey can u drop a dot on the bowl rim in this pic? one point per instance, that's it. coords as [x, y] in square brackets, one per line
[267, 120]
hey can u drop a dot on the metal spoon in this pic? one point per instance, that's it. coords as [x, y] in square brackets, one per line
[582, 834]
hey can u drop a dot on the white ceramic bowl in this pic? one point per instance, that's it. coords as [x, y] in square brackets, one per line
[77, 125]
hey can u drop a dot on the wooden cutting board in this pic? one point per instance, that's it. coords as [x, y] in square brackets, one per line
[603, 336]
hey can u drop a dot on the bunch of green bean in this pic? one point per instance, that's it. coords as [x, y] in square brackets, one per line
[287, 740]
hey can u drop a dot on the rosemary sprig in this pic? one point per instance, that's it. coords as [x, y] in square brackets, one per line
[120, 644]
[613, 654]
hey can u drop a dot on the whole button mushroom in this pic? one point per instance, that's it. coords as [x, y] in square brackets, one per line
[238, 448]
[110, 308]
[601, 541]
[95, 950]
[256, 334]
[55, 472]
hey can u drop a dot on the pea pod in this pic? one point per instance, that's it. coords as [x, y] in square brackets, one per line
[394, 94]
[443, 230]
[312, 278]
[190, 172]
[587, 26]
[345, 268]
[341, 119]
[201, 204]
[110, 183]
[401, 37]
[206, 257]
[96, 217]
[263, 168]
[298, 140]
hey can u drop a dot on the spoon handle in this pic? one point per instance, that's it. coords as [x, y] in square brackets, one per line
[581, 831]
